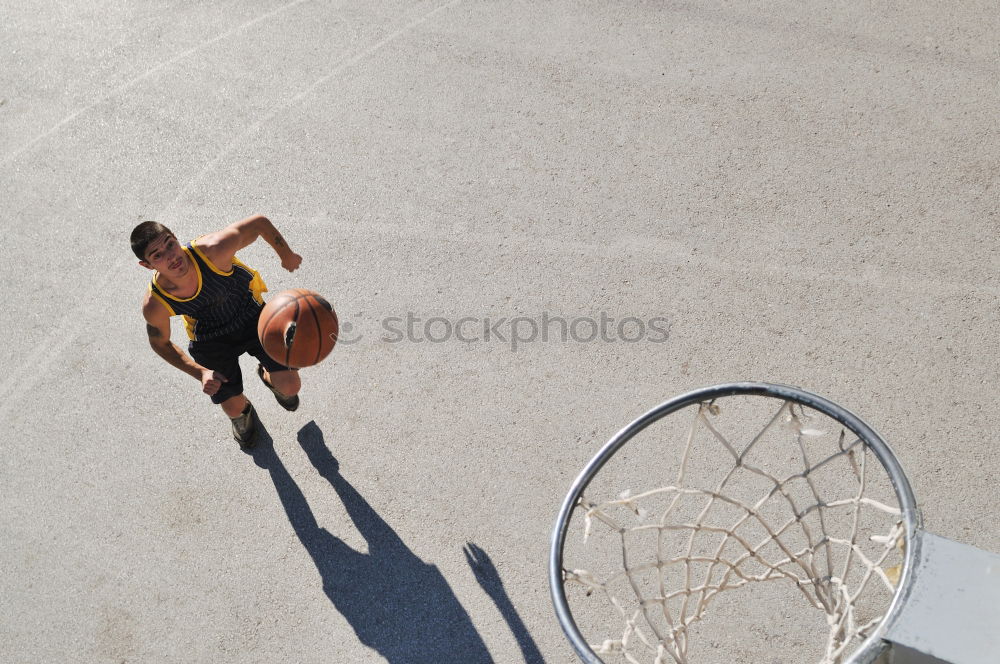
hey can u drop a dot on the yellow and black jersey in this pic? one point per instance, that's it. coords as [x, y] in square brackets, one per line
[224, 302]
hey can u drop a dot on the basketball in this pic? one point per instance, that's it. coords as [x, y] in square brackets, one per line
[298, 328]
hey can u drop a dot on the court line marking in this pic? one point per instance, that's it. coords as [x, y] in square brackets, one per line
[648, 247]
[138, 79]
[279, 108]
[72, 325]
[634, 247]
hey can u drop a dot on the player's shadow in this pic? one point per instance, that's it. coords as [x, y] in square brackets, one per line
[489, 579]
[397, 604]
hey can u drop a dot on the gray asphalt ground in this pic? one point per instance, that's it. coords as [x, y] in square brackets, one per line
[806, 191]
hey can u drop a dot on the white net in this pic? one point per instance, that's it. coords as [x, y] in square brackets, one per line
[787, 505]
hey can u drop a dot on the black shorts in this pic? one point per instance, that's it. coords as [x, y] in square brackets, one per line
[223, 355]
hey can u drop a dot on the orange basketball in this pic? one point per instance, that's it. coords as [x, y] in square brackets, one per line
[298, 328]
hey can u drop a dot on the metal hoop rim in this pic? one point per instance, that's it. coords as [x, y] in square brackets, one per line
[871, 647]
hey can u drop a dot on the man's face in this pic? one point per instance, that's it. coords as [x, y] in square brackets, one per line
[166, 256]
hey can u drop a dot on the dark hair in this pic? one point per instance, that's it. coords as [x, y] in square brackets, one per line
[145, 233]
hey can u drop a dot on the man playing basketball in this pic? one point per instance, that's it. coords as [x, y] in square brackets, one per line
[220, 299]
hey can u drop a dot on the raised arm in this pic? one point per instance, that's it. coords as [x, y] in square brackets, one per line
[224, 244]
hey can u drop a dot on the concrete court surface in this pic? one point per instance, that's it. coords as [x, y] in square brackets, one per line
[807, 192]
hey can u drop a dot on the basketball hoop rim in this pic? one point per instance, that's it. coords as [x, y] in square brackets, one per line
[871, 647]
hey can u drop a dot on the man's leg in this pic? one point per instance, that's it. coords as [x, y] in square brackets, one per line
[287, 382]
[241, 414]
[223, 356]
[234, 406]
[282, 381]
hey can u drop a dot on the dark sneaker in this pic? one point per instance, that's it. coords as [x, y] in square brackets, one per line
[288, 403]
[245, 427]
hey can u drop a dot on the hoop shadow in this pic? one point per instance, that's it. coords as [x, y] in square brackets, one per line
[396, 603]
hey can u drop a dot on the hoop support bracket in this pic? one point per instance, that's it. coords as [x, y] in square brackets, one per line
[951, 614]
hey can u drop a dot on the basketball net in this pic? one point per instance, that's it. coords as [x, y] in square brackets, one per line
[677, 548]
